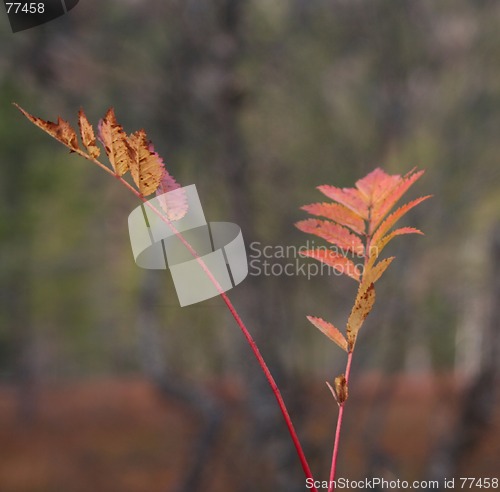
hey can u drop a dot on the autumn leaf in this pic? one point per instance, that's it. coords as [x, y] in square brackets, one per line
[391, 220]
[358, 221]
[329, 330]
[124, 153]
[333, 233]
[146, 166]
[362, 307]
[349, 197]
[376, 247]
[66, 134]
[372, 274]
[115, 142]
[372, 199]
[87, 135]
[375, 186]
[393, 194]
[174, 205]
[331, 258]
[362, 209]
[61, 131]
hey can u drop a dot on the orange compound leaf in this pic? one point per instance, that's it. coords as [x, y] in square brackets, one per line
[375, 186]
[335, 260]
[330, 331]
[61, 131]
[349, 197]
[338, 213]
[115, 143]
[391, 220]
[87, 135]
[333, 233]
[146, 166]
[383, 206]
[377, 247]
[365, 300]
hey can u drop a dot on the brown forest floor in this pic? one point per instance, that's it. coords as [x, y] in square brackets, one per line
[122, 436]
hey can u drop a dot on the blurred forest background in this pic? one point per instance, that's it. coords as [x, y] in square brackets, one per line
[107, 385]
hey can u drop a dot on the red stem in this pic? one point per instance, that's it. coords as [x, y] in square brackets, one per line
[339, 427]
[275, 389]
[236, 316]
